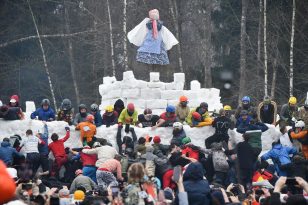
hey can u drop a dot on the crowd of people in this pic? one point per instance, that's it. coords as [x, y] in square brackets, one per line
[142, 170]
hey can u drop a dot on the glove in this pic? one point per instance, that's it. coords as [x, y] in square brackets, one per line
[67, 129]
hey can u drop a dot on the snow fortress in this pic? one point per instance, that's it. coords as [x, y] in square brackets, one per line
[197, 135]
[156, 94]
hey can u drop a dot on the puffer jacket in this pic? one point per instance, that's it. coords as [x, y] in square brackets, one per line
[280, 156]
[44, 115]
[7, 153]
[303, 114]
[219, 158]
[125, 118]
[197, 188]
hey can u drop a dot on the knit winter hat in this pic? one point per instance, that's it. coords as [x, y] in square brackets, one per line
[186, 140]
[196, 115]
[131, 107]
[156, 139]
[7, 191]
[79, 195]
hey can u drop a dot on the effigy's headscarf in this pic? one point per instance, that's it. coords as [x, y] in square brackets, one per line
[154, 16]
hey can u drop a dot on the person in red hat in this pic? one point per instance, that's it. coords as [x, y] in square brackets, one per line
[128, 115]
[159, 149]
[87, 130]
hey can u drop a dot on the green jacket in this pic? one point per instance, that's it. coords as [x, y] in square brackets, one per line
[126, 119]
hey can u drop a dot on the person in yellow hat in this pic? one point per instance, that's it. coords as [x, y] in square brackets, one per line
[110, 117]
[289, 111]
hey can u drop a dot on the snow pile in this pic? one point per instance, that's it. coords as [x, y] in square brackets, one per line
[197, 135]
[156, 94]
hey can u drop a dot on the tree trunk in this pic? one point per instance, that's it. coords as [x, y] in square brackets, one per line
[207, 62]
[44, 57]
[71, 55]
[175, 17]
[243, 51]
[124, 36]
[265, 50]
[259, 37]
[111, 39]
[291, 48]
[273, 88]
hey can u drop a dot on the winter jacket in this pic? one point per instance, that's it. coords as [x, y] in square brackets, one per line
[125, 118]
[7, 153]
[182, 112]
[83, 181]
[113, 166]
[44, 115]
[221, 124]
[43, 148]
[287, 113]
[244, 127]
[57, 147]
[267, 113]
[160, 150]
[219, 158]
[280, 156]
[66, 115]
[197, 188]
[87, 131]
[303, 115]
[191, 151]
[80, 118]
[31, 144]
[87, 159]
[103, 153]
[13, 113]
[301, 136]
[98, 119]
[251, 112]
[177, 159]
[169, 120]
[110, 120]
[151, 160]
[148, 123]
[206, 120]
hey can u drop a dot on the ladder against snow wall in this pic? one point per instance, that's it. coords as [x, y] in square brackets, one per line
[156, 94]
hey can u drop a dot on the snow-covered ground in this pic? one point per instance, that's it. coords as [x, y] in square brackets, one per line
[197, 135]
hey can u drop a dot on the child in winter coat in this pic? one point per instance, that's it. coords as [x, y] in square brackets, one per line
[301, 135]
[87, 130]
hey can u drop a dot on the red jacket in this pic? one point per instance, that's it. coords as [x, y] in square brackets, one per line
[190, 152]
[57, 147]
[88, 159]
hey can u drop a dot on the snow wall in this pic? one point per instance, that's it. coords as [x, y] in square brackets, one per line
[197, 135]
[156, 94]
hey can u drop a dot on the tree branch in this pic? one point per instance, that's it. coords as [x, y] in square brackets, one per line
[63, 35]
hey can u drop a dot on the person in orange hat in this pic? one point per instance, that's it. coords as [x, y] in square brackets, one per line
[87, 130]
[182, 109]
[8, 187]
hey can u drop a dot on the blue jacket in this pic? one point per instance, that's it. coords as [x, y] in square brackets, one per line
[44, 115]
[197, 188]
[244, 126]
[98, 119]
[7, 153]
[43, 148]
[279, 154]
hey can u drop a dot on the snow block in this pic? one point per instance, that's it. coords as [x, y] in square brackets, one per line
[197, 135]
[179, 86]
[150, 93]
[154, 76]
[128, 75]
[109, 80]
[170, 86]
[131, 93]
[30, 106]
[195, 85]
[103, 89]
[129, 83]
[171, 94]
[141, 84]
[139, 103]
[160, 85]
[115, 93]
[179, 77]
[156, 104]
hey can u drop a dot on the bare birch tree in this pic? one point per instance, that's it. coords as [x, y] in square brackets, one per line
[71, 54]
[265, 49]
[111, 39]
[44, 57]
[175, 17]
[291, 48]
[259, 36]
[124, 35]
[243, 50]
